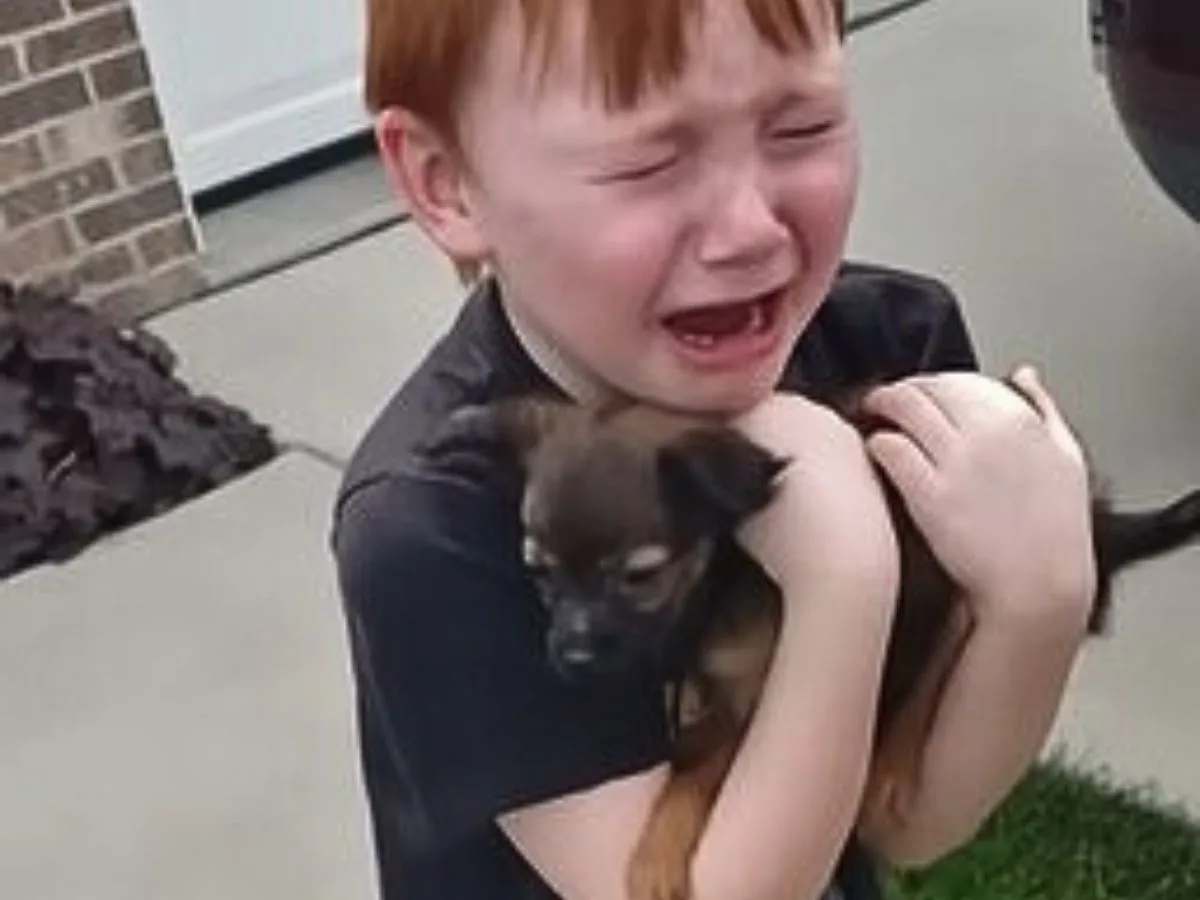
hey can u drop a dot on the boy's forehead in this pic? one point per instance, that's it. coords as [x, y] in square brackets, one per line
[566, 50]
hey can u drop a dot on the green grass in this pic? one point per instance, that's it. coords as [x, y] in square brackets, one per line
[1070, 833]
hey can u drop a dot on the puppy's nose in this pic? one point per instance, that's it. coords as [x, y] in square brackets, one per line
[576, 640]
[579, 643]
[576, 622]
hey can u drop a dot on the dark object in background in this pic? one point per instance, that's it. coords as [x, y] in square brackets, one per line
[95, 432]
[1151, 59]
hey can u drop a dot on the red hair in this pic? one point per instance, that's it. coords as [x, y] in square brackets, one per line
[421, 53]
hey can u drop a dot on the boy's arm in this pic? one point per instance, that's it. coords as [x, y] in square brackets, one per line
[790, 797]
[1001, 493]
[990, 723]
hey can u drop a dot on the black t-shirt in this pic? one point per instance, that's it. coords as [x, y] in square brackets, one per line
[460, 716]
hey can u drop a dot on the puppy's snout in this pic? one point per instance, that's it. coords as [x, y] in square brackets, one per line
[580, 640]
[576, 622]
[577, 634]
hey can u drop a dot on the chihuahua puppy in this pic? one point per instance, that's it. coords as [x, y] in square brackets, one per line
[629, 517]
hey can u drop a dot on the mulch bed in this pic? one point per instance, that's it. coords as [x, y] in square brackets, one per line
[96, 431]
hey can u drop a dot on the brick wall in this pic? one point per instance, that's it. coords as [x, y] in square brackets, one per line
[87, 188]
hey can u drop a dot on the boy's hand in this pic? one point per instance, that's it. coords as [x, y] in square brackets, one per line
[998, 486]
[829, 519]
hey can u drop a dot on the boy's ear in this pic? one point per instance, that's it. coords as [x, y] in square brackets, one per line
[430, 176]
[714, 478]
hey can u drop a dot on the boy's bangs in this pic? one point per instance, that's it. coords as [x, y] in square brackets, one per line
[421, 53]
[635, 45]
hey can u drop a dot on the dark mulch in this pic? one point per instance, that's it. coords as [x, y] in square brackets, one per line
[96, 431]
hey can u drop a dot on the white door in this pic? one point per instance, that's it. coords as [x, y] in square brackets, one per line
[244, 84]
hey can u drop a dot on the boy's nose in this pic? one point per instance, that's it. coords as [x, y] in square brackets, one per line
[741, 230]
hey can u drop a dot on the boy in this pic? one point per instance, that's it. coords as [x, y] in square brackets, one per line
[658, 192]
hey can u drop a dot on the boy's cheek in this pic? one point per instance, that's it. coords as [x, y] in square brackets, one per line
[599, 246]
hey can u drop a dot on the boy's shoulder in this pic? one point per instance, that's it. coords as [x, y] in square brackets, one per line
[476, 360]
[880, 322]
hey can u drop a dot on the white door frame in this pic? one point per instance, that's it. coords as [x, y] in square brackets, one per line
[245, 84]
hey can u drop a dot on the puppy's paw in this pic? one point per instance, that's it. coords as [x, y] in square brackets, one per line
[661, 867]
[660, 870]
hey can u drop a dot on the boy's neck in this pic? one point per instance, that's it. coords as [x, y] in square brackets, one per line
[567, 375]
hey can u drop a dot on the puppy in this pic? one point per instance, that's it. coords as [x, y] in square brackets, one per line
[630, 515]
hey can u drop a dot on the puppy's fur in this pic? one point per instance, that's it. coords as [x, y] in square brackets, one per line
[630, 515]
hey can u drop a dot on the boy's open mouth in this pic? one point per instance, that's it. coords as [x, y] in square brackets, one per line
[711, 326]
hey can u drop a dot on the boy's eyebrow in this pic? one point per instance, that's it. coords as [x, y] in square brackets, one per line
[813, 90]
[676, 126]
[666, 130]
[660, 129]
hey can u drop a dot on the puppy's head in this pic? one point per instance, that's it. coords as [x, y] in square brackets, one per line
[621, 512]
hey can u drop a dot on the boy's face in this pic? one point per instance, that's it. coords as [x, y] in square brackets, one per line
[676, 251]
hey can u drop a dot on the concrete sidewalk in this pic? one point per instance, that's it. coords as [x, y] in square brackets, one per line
[175, 709]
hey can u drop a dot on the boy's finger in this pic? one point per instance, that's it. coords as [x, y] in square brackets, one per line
[1026, 380]
[904, 465]
[914, 411]
[968, 398]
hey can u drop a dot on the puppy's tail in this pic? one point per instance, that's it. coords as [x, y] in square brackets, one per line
[1124, 538]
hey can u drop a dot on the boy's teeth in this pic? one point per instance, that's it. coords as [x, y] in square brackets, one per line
[703, 341]
[758, 318]
[704, 329]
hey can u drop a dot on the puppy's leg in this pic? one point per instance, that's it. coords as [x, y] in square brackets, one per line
[662, 862]
[895, 774]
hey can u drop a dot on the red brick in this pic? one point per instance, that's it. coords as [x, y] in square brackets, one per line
[53, 194]
[146, 162]
[90, 132]
[127, 213]
[140, 300]
[171, 241]
[89, 5]
[22, 15]
[41, 100]
[35, 248]
[107, 266]
[20, 158]
[121, 75]
[10, 69]
[139, 117]
[79, 40]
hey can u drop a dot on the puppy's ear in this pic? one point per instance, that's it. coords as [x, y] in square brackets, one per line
[510, 427]
[713, 478]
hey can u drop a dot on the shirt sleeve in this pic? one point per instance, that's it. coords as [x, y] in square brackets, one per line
[462, 715]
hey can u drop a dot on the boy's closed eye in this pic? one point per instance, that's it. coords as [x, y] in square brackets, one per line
[639, 171]
[793, 132]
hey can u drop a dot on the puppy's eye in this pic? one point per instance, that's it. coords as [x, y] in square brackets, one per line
[644, 563]
[538, 563]
[535, 554]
